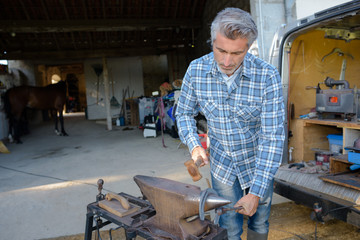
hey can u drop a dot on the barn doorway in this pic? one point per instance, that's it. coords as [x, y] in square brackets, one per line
[73, 74]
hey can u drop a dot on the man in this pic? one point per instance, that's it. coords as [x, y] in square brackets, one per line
[241, 98]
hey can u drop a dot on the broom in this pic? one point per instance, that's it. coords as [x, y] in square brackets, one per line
[113, 101]
[3, 148]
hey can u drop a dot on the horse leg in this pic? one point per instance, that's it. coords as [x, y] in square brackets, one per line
[24, 123]
[55, 117]
[17, 131]
[61, 119]
[11, 129]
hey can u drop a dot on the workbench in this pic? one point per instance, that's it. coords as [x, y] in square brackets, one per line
[312, 134]
[133, 224]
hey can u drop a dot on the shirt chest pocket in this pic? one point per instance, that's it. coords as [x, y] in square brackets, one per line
[247, 113]
[210, 108]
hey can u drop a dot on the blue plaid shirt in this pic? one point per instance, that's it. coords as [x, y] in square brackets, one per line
[245, 121]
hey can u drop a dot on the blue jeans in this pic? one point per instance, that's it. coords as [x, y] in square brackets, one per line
[232, 221]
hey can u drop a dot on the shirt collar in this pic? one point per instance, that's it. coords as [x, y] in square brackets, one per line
[247, 65]
[226, 77]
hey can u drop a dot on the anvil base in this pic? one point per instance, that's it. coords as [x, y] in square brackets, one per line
[137, 223]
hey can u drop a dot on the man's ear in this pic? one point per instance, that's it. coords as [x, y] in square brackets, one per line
[249, 46]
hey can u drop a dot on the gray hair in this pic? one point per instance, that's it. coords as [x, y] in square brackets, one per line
[234, 23]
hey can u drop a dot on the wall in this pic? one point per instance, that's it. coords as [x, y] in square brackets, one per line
[263, 12]
[24, 71]
[124, 73]
[178, 62]
[202, 44]
[155, 72]
[20, 73]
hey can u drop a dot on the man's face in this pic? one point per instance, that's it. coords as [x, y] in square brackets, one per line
[229, 54]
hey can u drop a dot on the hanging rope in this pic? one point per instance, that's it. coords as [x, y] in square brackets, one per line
[161, 111]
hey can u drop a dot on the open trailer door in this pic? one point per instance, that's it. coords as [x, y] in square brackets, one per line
[319, 60]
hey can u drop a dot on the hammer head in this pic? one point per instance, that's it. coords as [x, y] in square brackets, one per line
[193, 169]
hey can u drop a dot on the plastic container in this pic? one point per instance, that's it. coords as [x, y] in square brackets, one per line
[354, 157]
[122, 121]
[335, 143]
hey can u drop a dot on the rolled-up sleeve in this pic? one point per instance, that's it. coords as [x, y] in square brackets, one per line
[271, 137]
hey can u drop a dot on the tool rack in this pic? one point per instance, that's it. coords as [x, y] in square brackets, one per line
[133, 224]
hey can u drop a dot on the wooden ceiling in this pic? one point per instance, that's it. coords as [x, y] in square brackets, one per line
[78, 29]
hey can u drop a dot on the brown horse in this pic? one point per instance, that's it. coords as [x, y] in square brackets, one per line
[50, 97]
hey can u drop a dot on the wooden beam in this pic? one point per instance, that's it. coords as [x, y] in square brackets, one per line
[45, 10]
[39, 26]
[24, 9]
[84, 54]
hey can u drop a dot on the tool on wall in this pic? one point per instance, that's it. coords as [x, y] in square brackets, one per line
[341, 54]
[113, 101]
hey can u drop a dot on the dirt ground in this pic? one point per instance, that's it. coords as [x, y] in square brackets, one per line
[288, 221]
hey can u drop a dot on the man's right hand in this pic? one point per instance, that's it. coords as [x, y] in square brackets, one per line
[200, 152]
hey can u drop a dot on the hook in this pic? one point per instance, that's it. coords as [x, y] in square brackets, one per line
[339, 52]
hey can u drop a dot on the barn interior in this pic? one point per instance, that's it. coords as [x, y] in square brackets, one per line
[144, 44]
[141, 45]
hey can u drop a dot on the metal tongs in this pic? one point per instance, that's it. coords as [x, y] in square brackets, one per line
[221, 211]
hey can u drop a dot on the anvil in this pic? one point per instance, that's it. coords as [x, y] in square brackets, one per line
[174, 202]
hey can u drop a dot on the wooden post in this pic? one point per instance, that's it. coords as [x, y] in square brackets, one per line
[107, 94]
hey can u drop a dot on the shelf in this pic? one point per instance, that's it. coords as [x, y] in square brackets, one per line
[312, 133]
[339, 164]
[332, 122]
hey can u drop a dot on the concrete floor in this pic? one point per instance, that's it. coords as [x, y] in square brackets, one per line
[48, 180]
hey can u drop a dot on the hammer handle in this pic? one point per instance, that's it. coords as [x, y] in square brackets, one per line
[124, 203]
[198, 161]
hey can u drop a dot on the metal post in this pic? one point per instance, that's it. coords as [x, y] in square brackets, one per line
[88, 226]
[107, 94]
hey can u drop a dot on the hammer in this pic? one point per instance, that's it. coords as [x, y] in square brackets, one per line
[193, 168]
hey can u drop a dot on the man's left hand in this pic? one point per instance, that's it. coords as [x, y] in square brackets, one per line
[249, 203]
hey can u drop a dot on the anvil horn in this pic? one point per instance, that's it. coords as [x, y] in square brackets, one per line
[174, 202]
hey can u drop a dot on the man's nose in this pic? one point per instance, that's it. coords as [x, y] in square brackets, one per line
[227, 59]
